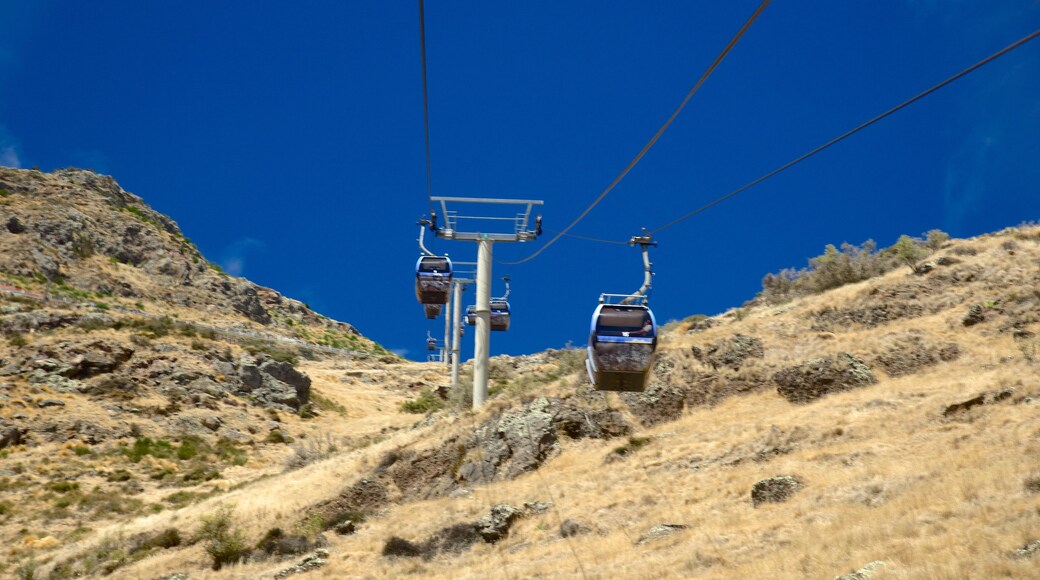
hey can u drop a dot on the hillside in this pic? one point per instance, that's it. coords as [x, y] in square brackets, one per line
[167, 418]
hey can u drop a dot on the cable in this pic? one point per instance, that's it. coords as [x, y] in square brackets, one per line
[653, 139]
[862, 126]
[425, 102]
[587, 239]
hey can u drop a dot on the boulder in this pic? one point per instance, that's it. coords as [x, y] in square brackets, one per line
[495, 525]
[246, 301]
[570, 528]
[660, 531]
[813, 379]
[774, 489]
[730, 353]
[12, 436]
[863, 573]
[976, 314]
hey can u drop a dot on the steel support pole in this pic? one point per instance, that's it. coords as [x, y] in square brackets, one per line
[447, 333]
[483, 328]
[456, 340]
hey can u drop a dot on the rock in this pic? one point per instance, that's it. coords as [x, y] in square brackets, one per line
[365, 496]
[15, 225]
[50, 403]
[987, 398]
[276, 543]
[36, 321]
[280, 385]
[815, 378]
[396, 547]
[570, 528]
[212, 422]
[12, 436]
[48, 265]
[730, 353]
[976, 314]
[313, 561]
[863, 573]
[774, 490]
[248, 303]
[345, 528]
[95, 358]
[452, 539]
[660, 531]
[909, 353]
[537, 507]
[495, 525]
[1028, 550]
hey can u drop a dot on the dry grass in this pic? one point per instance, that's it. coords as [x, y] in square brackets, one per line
[886, 476]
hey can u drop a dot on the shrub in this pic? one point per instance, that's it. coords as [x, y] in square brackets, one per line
[17, 339]
[426, 402]
[83, 245]
[934, 239]
[147, 446]
[223, 541]
[910, 252]
[311, 450]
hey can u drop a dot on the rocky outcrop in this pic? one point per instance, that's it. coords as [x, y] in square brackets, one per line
[911, 352]
[986, 398]
[312, 561]
[660, 531]
[457, 538]
[820, 376]
[864, 573]
[976, 314]
[520, 441]
[774, 490]
[730, 353]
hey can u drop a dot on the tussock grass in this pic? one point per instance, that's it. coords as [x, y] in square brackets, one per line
[886, 476]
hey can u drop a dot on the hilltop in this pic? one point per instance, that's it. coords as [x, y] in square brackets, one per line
[164, 419]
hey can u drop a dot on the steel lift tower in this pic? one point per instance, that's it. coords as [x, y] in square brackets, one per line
[485, 230]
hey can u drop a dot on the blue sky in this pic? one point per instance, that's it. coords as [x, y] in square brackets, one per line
[287, 141]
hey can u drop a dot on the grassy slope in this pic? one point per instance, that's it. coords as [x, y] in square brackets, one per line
[887, 477]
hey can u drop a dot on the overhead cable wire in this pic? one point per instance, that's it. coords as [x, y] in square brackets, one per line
[425, 103]
[853, 131]
[588, 239]
[653, 139]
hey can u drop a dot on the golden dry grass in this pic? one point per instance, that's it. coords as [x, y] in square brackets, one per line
[886, 476]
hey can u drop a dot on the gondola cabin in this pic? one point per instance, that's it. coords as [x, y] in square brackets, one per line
[499, 315]
[433, 282]
[622, 341]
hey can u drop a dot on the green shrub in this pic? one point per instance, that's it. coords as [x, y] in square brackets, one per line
[910, 252]
[634, 444]
[147, 446]
[426, 402]
[63, 486]
[17, 339]
[222, 540]
[934, 239]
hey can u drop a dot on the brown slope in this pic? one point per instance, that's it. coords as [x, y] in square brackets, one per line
[928, 469]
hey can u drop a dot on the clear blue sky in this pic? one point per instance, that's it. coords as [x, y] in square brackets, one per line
[287, 141]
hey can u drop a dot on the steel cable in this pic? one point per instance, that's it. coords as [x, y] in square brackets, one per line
[653, 139]
[851, 132]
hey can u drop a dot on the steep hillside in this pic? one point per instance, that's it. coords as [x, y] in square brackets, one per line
[888, 427]
[136, 377]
